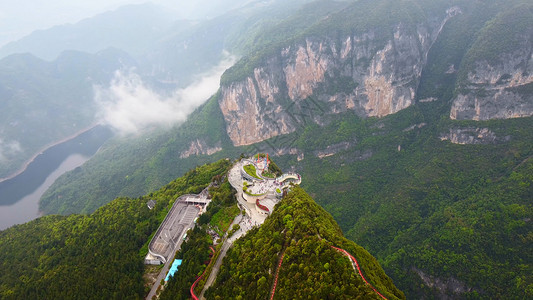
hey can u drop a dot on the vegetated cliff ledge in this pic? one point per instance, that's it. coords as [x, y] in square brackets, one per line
[497, 78]
[373, 73]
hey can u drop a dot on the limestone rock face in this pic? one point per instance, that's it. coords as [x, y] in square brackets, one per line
[375, 73]
[501, 88]
[200, 147]
[472, 136]
[498, 92]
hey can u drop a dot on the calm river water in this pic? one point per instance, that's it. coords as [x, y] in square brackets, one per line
[19, 196]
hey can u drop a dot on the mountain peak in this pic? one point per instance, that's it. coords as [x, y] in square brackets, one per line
[300, 251]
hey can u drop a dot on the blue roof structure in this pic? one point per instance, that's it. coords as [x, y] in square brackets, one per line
[173, 268]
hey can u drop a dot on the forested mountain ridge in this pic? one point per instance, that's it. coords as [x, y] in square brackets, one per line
[443, 204]
[101, 255]
[294, 249]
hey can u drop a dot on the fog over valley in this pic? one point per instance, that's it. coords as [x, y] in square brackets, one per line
[129, 105]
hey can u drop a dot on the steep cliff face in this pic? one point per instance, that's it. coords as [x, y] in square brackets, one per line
[499, 70]
[200, 147]
[375, 73]
[499, 91]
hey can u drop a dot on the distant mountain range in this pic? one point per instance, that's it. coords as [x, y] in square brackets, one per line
[46, 89]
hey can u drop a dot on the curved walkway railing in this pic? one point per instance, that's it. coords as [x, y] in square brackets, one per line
[346, 253]
[261, 206]
[200, 277]
[354, 261]
[288, 176]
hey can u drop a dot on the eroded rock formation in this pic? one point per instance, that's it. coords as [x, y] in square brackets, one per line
[498, 87]
[367, 73]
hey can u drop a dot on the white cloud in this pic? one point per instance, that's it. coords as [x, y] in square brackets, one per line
[129, 106]
[9, 149]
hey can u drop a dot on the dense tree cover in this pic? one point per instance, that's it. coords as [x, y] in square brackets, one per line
[304, 232]
[452, 211]
[222, 209]
[274, 169]
[433, 206]
[99, 256]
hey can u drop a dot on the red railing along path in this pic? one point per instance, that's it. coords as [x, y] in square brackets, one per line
[358, 269]
[261, 206]
[200, 277]
[276, 279]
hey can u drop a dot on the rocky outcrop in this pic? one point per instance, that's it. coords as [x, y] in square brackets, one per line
[498, 87]
[372, 74]
[419, 125]
[498, 92]
[200, 147]
[333, 149]
[445, 286]
[472, 136]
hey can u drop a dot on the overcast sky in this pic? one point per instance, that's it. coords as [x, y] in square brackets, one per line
[20, 17]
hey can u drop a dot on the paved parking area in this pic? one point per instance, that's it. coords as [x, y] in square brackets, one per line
[176, 223]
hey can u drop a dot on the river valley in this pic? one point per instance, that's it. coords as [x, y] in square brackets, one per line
[20, 195]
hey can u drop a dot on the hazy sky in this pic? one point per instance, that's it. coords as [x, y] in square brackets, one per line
[20, 17]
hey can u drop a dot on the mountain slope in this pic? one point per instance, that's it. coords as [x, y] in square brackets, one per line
[418, 198]
[303, 234]
[415, 176]
[97, 256]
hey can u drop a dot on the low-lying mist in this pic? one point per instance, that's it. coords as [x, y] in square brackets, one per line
[8, 149]
[129, 105]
